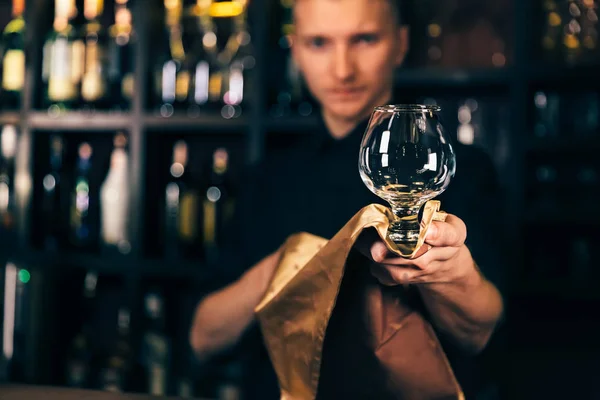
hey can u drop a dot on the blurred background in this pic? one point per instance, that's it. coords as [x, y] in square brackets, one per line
[124, 125]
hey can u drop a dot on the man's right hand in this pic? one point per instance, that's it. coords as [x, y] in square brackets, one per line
[222, 317]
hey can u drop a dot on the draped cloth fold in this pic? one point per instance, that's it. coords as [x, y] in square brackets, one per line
[332, 331]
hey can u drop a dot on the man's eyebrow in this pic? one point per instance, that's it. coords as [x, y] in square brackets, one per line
[363, 32]
[367, 32]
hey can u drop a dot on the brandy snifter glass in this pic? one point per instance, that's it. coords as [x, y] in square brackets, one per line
[406, 159]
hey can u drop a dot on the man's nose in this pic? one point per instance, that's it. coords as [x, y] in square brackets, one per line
[343, 63]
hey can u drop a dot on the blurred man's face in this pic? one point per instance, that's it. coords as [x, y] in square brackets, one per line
[347, 51]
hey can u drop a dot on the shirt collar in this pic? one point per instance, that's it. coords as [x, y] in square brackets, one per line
[322, 139]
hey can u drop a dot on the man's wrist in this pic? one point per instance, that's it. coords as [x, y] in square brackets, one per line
[469, 276]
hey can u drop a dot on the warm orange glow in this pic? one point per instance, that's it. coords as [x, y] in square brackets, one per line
[434, 30]
[225, 9]
[554, 19]
[18, 7]
[571, 42]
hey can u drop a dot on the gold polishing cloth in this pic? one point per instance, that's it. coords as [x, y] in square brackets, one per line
[332, 331]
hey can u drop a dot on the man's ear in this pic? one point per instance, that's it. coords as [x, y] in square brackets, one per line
[402, 38]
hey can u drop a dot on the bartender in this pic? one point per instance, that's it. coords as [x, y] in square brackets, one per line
[347, 52]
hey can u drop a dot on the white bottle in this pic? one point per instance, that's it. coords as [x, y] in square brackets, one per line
[114, 198]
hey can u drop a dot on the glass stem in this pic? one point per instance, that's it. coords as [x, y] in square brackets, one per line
[405, 227]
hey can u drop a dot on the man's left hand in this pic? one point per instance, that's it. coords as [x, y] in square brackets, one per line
[443, 258]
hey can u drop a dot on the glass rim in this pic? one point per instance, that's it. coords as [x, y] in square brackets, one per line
[408, 108]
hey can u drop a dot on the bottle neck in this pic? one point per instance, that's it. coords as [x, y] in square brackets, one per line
[122, 28]
[92, 9]
[63, 9]
[18, 8]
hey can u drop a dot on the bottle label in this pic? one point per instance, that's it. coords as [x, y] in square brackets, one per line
[201, 82]
[127, 86]
[13, 67]
[77, 60]
[60, 85]
[77, 373]
[188, 216]
[92, 84]
[236, 85]
[210, 222]
[215, 86]
[168, 81]
[113, 194]
[182, 85]
[229, 391]
[157, 379]
[185, 389]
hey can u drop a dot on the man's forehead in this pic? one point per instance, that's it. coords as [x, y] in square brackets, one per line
[340, 16]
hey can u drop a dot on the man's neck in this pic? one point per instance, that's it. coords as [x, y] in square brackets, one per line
[339, 128]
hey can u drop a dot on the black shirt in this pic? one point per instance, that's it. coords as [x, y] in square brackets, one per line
[315, 187]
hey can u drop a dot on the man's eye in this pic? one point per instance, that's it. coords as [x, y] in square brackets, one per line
[367, 38]
[316, 42]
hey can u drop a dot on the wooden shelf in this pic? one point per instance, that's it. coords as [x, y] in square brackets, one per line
[11, 118]
[108, 121]
[79, 120]
[201, 124]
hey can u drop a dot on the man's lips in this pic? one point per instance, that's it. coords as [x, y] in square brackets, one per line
[345, 91]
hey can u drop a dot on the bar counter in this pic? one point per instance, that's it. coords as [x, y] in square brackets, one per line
[30, 392]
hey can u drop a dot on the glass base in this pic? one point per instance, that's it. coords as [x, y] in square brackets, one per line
[404, 236]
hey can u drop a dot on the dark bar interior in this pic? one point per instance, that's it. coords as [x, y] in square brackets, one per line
[127, 128]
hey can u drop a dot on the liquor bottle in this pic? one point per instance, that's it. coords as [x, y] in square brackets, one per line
[201, 71]
[83, 211]
[173, 75]
[13, 58]
[78, 362]
[291, 95]
[53, 210]
[114, 375]
[230, 387]
[62, 65]
[580, 263]
[114, 199]
[551, 31]
[434, 44]
[571, 40]
[156, 350]
[547, 113]
[94, 82]
[8, 143]
[218, 206]
[196, 68]
[181, 208]
[200, 89]
[237, 78]
[80, 354]
[185, 388]
[120, 68]
[589, 31]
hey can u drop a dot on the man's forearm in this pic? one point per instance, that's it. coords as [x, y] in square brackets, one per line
[222, 317]
[468, 310]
